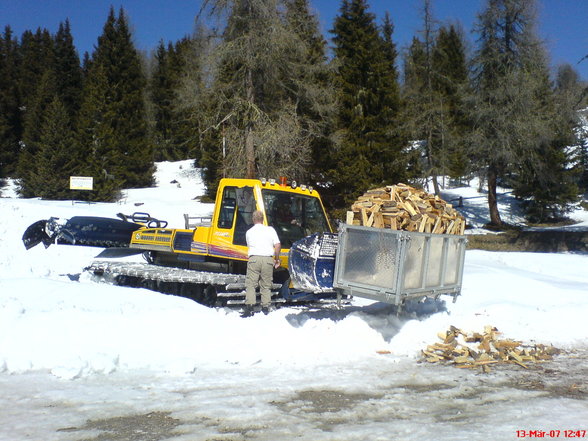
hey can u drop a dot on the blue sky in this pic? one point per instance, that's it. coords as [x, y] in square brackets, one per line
[562, 23]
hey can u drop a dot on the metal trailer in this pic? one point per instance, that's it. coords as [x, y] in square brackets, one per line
[394, 266]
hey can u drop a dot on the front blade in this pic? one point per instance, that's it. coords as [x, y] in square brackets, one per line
[87, 231]
[96, 232]
[35, 234]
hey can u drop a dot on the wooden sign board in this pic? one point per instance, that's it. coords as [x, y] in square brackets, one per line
[81, 183]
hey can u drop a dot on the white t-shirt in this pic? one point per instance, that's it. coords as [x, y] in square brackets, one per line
[261, 240]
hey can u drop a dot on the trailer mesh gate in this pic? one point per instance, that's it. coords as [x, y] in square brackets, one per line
[392, 266]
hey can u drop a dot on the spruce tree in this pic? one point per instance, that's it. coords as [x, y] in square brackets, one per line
[545, 179]
[67, 65]
[413, 116]
[55, 160]
[122, 155]
[368, 152]
[171, 134]
[161, 94]
[97, 153]
[390, 51]
[60, 76]
[450, 81]
[28, 163]
[129, 83]
[10, 116]
[36, 57]
[569, 94]
[185, 135]
[436, 80]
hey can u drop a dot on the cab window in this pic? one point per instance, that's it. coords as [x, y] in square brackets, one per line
[237, 206]
[227, 210]
[294, 216]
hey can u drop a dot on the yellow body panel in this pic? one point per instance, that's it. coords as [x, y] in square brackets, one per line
[218, 239]
[156, 239]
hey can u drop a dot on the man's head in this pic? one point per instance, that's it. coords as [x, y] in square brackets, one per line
[257, 217]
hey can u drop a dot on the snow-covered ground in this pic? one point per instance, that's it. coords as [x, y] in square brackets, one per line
[81, 360]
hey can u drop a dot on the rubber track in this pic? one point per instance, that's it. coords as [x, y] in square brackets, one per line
[230, 287]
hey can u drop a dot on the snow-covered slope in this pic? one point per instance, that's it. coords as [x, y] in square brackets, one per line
[72, 328]
[53, 321]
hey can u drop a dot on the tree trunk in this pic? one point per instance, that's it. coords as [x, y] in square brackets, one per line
[428, 19]
[492, 199]
[432, 165]
[250, 152]
[435, 184]
[249, 145]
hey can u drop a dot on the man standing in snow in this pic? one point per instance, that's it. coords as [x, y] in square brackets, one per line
[264, 255]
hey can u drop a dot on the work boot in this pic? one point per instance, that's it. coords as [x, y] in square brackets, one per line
[265, 309]
[247, 311]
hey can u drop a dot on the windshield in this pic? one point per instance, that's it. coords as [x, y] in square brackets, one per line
[294, 216]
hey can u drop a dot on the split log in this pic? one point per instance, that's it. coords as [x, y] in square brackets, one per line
[402, 207]
[475, 350]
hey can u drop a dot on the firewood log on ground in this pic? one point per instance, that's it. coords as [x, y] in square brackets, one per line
[484, 349]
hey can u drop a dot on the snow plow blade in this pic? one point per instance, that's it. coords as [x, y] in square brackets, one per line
[80, 230]
[312, 262]
[35, 234]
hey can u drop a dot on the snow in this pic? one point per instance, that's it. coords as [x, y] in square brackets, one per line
[73, 351]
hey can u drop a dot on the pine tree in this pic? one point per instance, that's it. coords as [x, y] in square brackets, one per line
[436, 79]
[247, 78]
[185, 135]
[569, 93]
[513, 106]
[28, 163]
[10, 117]
[252, 123]
[545, 179]
[195, 107]
[311, 85]
[368, 152]
[118, 137]
[171, 134]
[414, 92]
[451, 82]
[37, 56]
[162, 94]
[55, 160]
[97, 153]
[424, 113]
[67, 65]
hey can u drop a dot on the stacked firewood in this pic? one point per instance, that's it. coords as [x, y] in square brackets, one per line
[482, 350]
[402, 207]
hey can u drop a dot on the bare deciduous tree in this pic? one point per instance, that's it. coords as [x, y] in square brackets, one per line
[255, 74]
